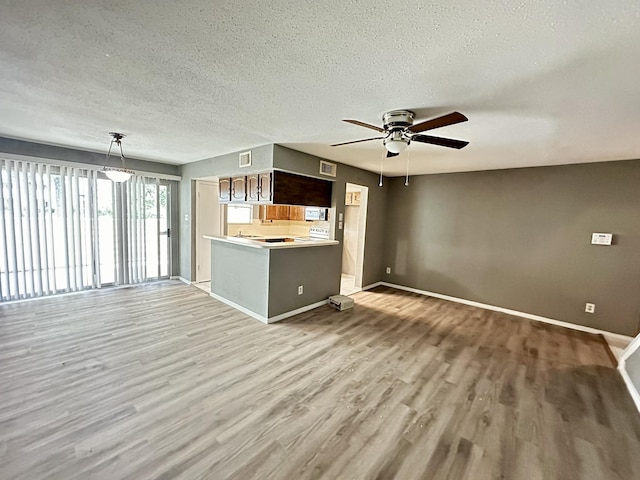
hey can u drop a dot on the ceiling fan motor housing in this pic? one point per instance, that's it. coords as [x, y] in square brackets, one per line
[397, 120]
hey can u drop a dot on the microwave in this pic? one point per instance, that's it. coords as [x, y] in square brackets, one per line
[314, 214]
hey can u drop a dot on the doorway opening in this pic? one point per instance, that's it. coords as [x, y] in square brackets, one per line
[355, 224]
[208, 221]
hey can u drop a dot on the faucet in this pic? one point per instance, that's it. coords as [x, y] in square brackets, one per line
[239, 234]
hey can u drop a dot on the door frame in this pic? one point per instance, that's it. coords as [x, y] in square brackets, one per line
[198, 227]
[361, 232]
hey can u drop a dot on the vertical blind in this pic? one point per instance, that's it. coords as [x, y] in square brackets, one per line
[64, 229]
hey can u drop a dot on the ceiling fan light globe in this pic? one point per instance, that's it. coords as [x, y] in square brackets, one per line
[396, 145]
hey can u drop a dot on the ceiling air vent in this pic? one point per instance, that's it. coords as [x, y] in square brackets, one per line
[245, 159]
[328, 168]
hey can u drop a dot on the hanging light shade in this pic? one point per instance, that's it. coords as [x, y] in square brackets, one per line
[117, 175]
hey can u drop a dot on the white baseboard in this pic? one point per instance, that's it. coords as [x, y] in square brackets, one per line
[291, 313]
[529, 316]
[263, 319]
[373, 285]
[182, 279]
[632, 347]
[633, 391]
[244, 310]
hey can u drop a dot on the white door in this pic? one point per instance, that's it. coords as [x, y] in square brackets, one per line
[207, 223]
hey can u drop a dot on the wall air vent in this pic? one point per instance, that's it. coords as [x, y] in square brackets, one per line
[328, 168]
[245, 159]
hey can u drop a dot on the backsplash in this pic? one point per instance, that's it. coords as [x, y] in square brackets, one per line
[273, 227]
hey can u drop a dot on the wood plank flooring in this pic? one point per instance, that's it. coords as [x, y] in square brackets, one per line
[161, 381]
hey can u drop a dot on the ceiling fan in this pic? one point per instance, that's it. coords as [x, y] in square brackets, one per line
[399, 131]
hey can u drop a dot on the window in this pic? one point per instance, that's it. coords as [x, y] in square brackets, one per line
[239, 214]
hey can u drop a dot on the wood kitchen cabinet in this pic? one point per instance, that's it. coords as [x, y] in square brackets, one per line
[259, 187]
[224, 190]
[239, 189]
[275, 212]
[253, 188]
[282, 212]
[264, 187]
[296, 214]
[276, 187]
[291, 189]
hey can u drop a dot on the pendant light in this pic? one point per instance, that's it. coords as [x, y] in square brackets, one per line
[117, 175]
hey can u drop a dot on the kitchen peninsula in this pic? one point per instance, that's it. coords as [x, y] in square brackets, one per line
[262, 277]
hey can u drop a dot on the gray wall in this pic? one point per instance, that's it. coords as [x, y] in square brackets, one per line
[261, 160]
[312, 267]
[520, 239]
[294, 161]
[241, 274]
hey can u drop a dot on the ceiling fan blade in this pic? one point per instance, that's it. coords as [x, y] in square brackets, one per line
[366, 125]
[356, 141]
[391, 154]
[443, 142]
[449, 119]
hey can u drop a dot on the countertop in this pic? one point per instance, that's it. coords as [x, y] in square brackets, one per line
[254, 243]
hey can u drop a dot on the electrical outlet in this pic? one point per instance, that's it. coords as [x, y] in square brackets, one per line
[388, 270]
[300, 289]
[590, 308]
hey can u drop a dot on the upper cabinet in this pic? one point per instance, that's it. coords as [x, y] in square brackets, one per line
[290, 189]
[239, 189]
[264, 188]
[276, 187]
[282, 212]
[296, 214]
[224, 190]
[253, 188]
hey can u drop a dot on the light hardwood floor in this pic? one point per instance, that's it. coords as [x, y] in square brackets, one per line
[160, 381]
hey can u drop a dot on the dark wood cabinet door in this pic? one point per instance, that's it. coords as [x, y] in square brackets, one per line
[253, 188]
[290, 189]
[224, 190]
[238, 189]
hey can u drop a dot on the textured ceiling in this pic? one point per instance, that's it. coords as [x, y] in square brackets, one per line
[542, 82]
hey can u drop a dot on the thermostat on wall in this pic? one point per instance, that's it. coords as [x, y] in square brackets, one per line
[601, 238]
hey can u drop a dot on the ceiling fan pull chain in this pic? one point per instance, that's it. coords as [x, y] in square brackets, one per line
[406, 180]
[381, 163]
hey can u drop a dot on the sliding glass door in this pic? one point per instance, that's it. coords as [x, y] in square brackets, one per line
[65, 229]
[145, 240]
